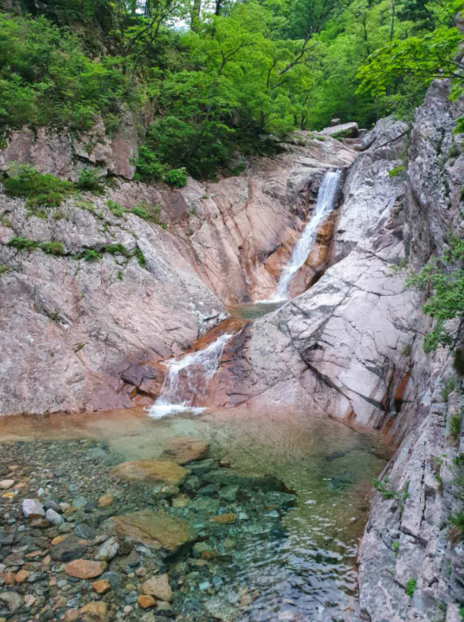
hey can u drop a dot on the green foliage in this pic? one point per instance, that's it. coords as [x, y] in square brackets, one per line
[458, 522]
[396, 547]
[115, 208]
[455, 425]
[448, 388]
[444, 282]
[52, 248]
[38, 189]
[91, 255]
[22, 244]
[45, 76]
[140, 257]
[116, 249]
[4, 269]
[395, 172]
[411, 587]
[90, 180]
[176, 177]
[148, 166]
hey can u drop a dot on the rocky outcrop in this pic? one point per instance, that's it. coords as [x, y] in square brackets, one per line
[74, 332]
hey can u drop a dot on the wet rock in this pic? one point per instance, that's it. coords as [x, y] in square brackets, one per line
[159, 587]
[108, 550]
[192, 484]
[229, 493]
[159, 529]
[12, 600]
[221, 610]
[185, 449]
[200, 468]
[68, 549]
[84, 568]
[32, 508]
[53, 517]
[205, 505]
[165, 491]
[79, 502]
[150, 471]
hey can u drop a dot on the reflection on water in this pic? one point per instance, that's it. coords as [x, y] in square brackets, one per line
[301, 568]
[253, 311]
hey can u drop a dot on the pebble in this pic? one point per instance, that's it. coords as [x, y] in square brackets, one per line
[22, 576]
[84, 568]
[108, 550]
[101, 587]
[158, 586]
[104, 501]
[6, 483]
[146, 601]
[53, 517]
[32, 508]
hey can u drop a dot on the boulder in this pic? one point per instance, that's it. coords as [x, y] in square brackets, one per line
[150, 471]
[159, 529]
[345, 130]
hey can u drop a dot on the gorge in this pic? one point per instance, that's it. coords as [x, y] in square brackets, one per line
[201, 383]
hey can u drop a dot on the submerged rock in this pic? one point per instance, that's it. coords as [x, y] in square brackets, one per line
[85, 569]
[150, 471]
[158, 529]
[185, 449]
[252, 481]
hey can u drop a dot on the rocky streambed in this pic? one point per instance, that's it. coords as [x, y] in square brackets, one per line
[216, 526]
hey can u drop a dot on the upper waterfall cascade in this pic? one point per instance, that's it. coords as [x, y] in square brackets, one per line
[324, 206]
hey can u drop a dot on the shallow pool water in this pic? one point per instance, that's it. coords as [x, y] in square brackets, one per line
[296, 563]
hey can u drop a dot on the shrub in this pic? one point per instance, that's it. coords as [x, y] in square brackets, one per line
[91, 255]
[90, 180]
[458, 523]
[38, 189]
[395, 172]
[115, 208]
[148, 166]
[455, 425]
[52, 248]
[448, 388]
[445, 279]
[411, 587]
[140, 257]
[3, 269]
[116, 249]
[176, 177]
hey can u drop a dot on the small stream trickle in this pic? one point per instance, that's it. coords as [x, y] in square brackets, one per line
[187, 378]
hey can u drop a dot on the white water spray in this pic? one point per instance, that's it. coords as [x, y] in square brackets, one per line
[324, 205]
[187, 378]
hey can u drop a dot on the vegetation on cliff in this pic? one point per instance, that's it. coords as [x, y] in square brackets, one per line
[216, 78]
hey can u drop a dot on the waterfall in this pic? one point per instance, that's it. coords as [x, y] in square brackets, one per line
[324, 205]
[188, 378]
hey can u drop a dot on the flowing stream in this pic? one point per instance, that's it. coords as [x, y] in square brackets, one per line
[187, 378]
[324, 205]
